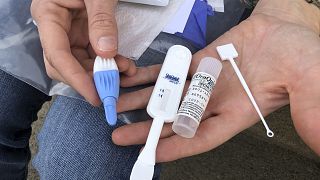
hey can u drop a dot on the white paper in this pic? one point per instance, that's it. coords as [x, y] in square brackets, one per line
[218, 5]
[139, 25]
[180, 19]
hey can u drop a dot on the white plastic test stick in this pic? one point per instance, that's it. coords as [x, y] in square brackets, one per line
[228, 52]
[163, 106]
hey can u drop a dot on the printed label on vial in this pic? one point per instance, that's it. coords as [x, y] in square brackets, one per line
[198, 95]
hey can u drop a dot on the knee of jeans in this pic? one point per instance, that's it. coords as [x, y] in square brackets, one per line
[81, 148]
[12, 134]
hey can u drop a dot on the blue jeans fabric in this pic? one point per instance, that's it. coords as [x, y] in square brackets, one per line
[75, 143]
[19, 104]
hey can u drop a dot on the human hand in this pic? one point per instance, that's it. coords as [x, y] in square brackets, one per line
[72, 33]
[279, 50]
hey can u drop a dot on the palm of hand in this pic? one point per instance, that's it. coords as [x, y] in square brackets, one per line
[79, 39]
[280, 62]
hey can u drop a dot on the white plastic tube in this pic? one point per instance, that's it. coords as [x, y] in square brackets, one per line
[197, 97]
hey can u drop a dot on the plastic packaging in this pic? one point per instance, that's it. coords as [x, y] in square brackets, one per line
[20, 48]
[197, 97]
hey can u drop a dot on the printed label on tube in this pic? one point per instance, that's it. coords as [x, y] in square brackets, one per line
[198, 95]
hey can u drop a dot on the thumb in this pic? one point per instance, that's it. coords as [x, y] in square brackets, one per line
[305, 108]
[102, 24]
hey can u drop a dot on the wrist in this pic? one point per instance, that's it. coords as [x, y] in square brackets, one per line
[294, 11]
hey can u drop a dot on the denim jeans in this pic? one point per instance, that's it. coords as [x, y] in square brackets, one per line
[19, 104]
[74, 143]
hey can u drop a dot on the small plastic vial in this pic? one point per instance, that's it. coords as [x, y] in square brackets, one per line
[197, 97]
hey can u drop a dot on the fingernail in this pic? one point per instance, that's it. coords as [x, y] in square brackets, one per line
[107, 44]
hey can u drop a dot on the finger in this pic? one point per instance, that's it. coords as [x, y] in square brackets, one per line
[236, 114]
[75, 76]
[87, 64]
[79, 32]
[210, 134]
[103, 27]
[134, 100]
[123, 136]
[91, 52]
[142, 76]
[79, 53]
[53, 23]
[139, 99]
[126, 66]
[52, 73]
[57, 50]
[83, 58]
[305, 108]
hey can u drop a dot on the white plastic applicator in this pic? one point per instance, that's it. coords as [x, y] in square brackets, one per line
[163, 106]
[229, 52]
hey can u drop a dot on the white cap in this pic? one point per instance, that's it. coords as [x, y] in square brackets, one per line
[102, 64]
